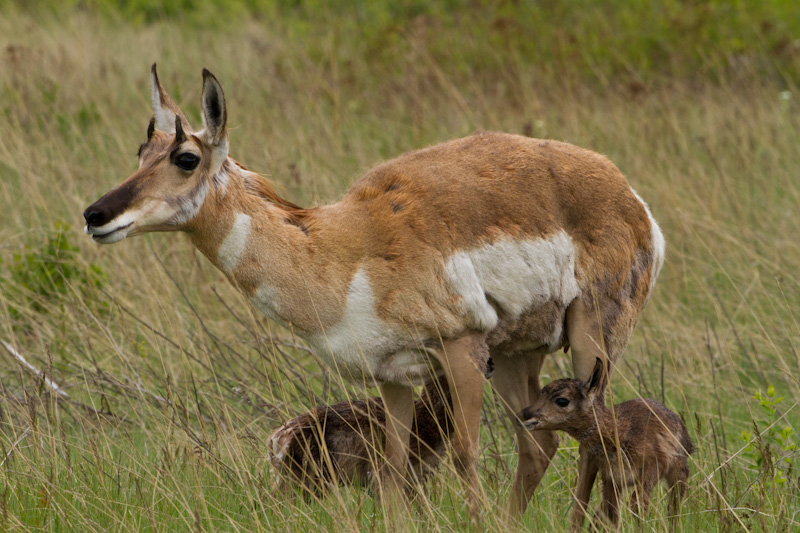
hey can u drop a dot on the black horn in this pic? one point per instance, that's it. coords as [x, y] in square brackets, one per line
[179, 135]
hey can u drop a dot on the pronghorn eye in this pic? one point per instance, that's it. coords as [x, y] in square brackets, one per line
[187, 161]
[562, 402]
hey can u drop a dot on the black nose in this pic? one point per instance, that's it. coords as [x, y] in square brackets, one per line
[489, 368]
[95, 217]
[524, 417]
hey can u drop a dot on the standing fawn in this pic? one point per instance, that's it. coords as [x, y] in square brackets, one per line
[635, 443]
[493, 244]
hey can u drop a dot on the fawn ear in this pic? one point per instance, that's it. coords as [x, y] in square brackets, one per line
[597, 382]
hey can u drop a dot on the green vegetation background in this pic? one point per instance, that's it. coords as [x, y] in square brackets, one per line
[579, 39]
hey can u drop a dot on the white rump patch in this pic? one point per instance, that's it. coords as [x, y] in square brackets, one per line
[232, 248]
[657, 247]
[517, 274]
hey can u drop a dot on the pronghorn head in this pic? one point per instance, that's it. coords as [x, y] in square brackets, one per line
[566, 404]
[176, 167]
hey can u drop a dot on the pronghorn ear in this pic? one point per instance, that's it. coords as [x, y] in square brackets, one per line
[164, 109]
[597, 382]
[215, 117]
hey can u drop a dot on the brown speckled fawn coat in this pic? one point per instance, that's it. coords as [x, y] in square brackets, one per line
[633, 444]
[340, 443]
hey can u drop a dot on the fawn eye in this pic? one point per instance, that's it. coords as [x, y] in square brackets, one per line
[562, 402]
[187, 161]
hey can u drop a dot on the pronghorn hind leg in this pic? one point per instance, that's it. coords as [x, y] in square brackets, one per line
[587, 340]
[516, 381]
[594, 334]
[599, 325]
[398, 401]
[464, 363]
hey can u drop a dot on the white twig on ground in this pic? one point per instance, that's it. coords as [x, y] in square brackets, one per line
[47, 381]
[24, 434]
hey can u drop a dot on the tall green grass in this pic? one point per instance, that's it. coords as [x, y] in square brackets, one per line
[173, 382]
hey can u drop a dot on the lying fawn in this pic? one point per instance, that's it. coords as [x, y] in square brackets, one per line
[341, 442]
[635, 443]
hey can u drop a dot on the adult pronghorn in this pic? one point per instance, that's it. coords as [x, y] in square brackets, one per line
[492, 244]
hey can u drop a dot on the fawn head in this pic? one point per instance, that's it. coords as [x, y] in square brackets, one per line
[565, 401]
[176, 167]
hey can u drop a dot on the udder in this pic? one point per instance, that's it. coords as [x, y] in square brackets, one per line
[540, 329]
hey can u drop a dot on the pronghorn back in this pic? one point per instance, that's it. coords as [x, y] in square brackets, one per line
[498, 233]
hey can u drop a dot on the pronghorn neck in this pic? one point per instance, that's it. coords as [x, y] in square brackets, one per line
[221, 228]
[259, 241]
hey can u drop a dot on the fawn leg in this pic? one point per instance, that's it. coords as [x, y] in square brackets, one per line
[677, 478]
[516, 381]
[610, 501]
[398, 400]
[465, 376]
[587, 473]
[640, 498]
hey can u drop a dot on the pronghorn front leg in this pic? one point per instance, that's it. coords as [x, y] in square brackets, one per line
[463, 361]
[398, 400]
[516, 380]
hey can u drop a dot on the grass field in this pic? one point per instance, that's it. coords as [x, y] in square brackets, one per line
[171, 382]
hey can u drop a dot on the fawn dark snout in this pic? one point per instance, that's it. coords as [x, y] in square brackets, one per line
[529, 418]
